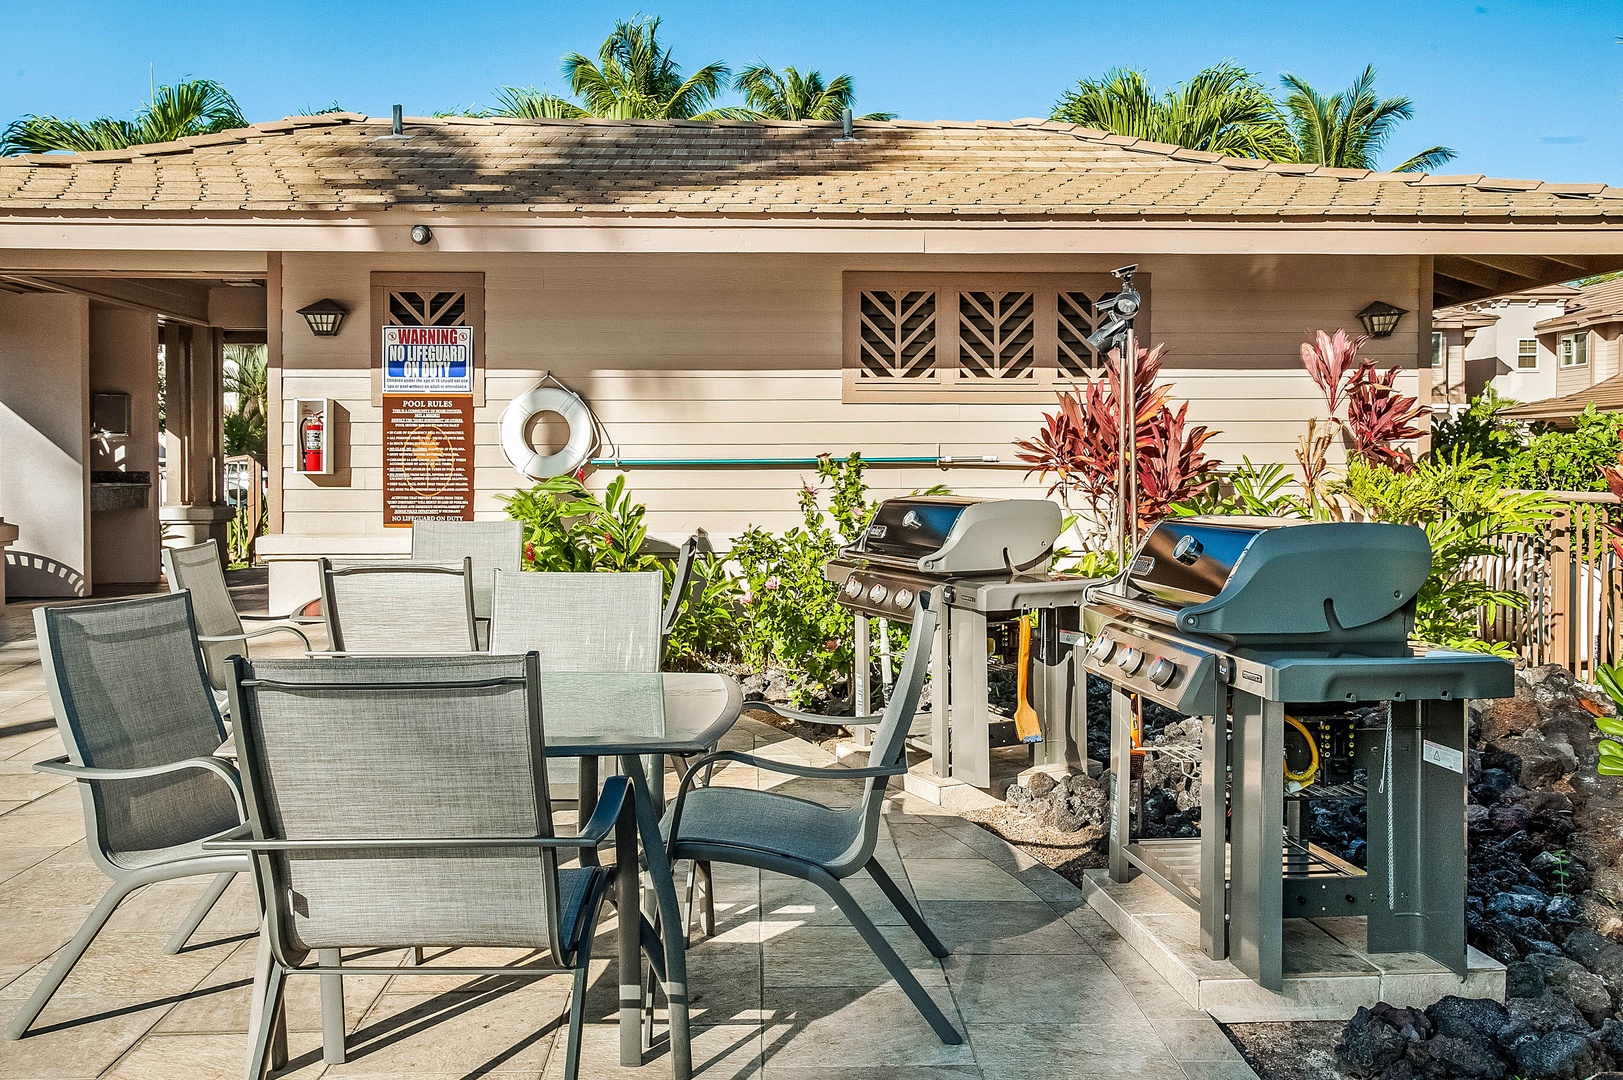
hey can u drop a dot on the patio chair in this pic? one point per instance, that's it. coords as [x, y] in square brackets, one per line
[687, 582]
[490, 545]
[138, 719]
[197, 570]
[395, 608]
[808, 840]
[394, 801]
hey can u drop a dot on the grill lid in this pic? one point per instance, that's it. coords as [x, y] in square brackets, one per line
[950, 534]
[1274, 577]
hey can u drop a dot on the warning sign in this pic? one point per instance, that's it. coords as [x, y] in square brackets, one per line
[427, 459]
[428, 359]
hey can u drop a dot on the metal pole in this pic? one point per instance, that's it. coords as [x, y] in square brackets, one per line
[1127, 450]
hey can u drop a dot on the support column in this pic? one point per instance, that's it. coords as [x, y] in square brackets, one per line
[194, 500]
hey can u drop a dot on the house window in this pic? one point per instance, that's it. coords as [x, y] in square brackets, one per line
[1527, 354]
[973, 337]
[1439, 348]
[1574, 350]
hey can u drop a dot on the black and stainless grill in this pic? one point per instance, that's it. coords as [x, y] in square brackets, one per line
[985, 563]
[1265, 627]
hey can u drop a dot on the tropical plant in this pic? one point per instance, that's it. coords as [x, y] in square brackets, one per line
[1480, 430]
[1078, 445]
[635, 78]
[1223, 109]
[1468, 515]
[1260, 490]
[246, 378]
[568, 529]
[1378, 417]
[528, 103]
[770, 94]
[1374, 415]
[1575, 460]
[1610, 679]
[189, 107]
[1350, 129]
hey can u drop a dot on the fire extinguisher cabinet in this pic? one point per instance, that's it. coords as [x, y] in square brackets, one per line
[313, 442]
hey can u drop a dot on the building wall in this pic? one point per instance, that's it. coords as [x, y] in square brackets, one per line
[124, 358]
[45, 442]
[1499, 342]
[740, 356]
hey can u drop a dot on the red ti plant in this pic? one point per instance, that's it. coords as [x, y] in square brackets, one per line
[1376, 416]
[1333, 361]
[1078, 444]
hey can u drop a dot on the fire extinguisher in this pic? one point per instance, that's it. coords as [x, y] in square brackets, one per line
[311, 442]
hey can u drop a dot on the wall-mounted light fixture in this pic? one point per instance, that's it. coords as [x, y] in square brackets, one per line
[1380, 318]
[421, 234]
[324, 317]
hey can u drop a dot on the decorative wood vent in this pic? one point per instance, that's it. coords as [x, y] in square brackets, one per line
[429, 300]
[972, 337]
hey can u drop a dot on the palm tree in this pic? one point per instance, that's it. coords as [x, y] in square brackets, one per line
[528, 103]
[789, 95]
[190, 107]
[1223, 109]
[634, 78]
[1350, 129]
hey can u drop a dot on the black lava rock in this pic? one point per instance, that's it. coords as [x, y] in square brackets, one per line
[1465, 1018]
[1446, 1056]
[1523, 980]
[1560, 1055]
[1368, 1045]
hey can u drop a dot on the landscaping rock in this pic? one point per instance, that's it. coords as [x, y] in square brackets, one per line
[1539, 1016]
[1446, 1056]
[1466, 1018]
[1572, 981]
[1560, 1055]
[1368, 1045]
[1523, 980]
[1542, 762]
[1080, 803]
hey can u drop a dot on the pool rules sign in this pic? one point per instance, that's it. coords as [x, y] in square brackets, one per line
[427, 458]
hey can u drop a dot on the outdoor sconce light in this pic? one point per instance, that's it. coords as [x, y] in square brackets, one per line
[1380, 319]
[421, 234]
[324, 317]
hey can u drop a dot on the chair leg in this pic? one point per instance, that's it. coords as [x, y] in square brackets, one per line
[881, 948]
[263, 1014]
[332, 1008]
[577, 1001]
[914, 919]
[262, 1057]
[71, 952]
[708, 912]
[199, 912]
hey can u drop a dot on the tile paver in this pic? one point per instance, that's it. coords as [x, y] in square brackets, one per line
[785, 991]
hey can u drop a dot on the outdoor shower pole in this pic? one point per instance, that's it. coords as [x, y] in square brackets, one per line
[1127, 447]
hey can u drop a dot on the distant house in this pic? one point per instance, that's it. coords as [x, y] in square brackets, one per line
[1493, 343]
[1584, 340]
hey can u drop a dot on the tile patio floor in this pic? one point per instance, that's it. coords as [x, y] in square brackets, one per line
[785, 991]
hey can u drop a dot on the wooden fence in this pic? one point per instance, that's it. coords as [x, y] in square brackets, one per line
[1573, 584]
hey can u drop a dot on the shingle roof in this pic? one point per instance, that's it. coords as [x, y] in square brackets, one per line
[1594, 304]
[1025, 168]
[1606, 395]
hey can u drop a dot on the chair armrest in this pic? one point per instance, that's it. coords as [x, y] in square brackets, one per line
[610, 803]
[279, 628]
[230, 841]
[90, 774]
[865, 720]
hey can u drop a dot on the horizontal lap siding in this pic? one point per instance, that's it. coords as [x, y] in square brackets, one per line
[739, 356]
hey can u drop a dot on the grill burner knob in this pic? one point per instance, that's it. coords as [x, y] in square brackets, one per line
[878, 593]
[1102, 648]
[1187, 550]
[903, 598]
[1163, 671]
[853, 588]
[1130, 661]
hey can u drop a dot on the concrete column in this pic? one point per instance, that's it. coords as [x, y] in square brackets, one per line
[124, 527]
[195, 511]
[177, 415]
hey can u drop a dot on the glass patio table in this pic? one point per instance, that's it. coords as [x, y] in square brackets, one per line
[635, 717]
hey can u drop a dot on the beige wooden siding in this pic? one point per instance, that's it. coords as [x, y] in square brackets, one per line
[740, 356]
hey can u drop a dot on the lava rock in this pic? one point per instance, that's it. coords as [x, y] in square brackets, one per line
[1508, 717]
[1519, 900]
[1509, 817]
[1560, 1055]
[1578, 985]
[1599, 954]
[1564, 909]
[1368, 1044]
[1081, 802]
[1446, 1055]
[1413, 1024]
[1610, 1039]
[1542, 762]
[1465, 1018]
[1041, 785]
[1539, 1016]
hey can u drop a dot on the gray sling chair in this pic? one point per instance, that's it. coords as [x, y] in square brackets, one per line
[490, 545]
[401, 607]
[397, 801]
[807, 840]
[197, 570]
[139, 722]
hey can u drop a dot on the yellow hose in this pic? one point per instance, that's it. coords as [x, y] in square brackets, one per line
[1305, 777]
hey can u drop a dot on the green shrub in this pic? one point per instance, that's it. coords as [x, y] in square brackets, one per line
[1466, 513]
[1567, 460]
[1482, 431]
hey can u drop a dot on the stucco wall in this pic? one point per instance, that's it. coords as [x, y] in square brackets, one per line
[44, 441]
[124, 358]
[740, 355]
[1499, 342]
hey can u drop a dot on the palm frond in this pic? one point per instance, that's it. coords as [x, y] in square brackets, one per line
[1350, 129]
[528, 103]
[1223, 109]
[189, 107]
[44, 134]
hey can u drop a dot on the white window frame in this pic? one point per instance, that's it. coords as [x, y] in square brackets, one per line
[1524, 353]
[1439, 349]
[1575, 349]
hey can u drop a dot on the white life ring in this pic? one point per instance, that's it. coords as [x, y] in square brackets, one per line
[515, 425]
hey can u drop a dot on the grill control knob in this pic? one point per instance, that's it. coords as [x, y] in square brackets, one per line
[853, 587]
[903, 598]
[878, 593]
[1163, 671]
[1130, 661]
[1102, 648]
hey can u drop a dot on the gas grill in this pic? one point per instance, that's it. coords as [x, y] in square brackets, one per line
[1280, 632]
[984, 563]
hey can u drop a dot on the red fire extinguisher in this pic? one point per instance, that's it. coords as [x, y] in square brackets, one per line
[311, 442]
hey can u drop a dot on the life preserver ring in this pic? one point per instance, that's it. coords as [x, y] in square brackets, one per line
[515, 425]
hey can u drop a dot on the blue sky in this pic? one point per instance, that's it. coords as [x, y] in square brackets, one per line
[1522, 89]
